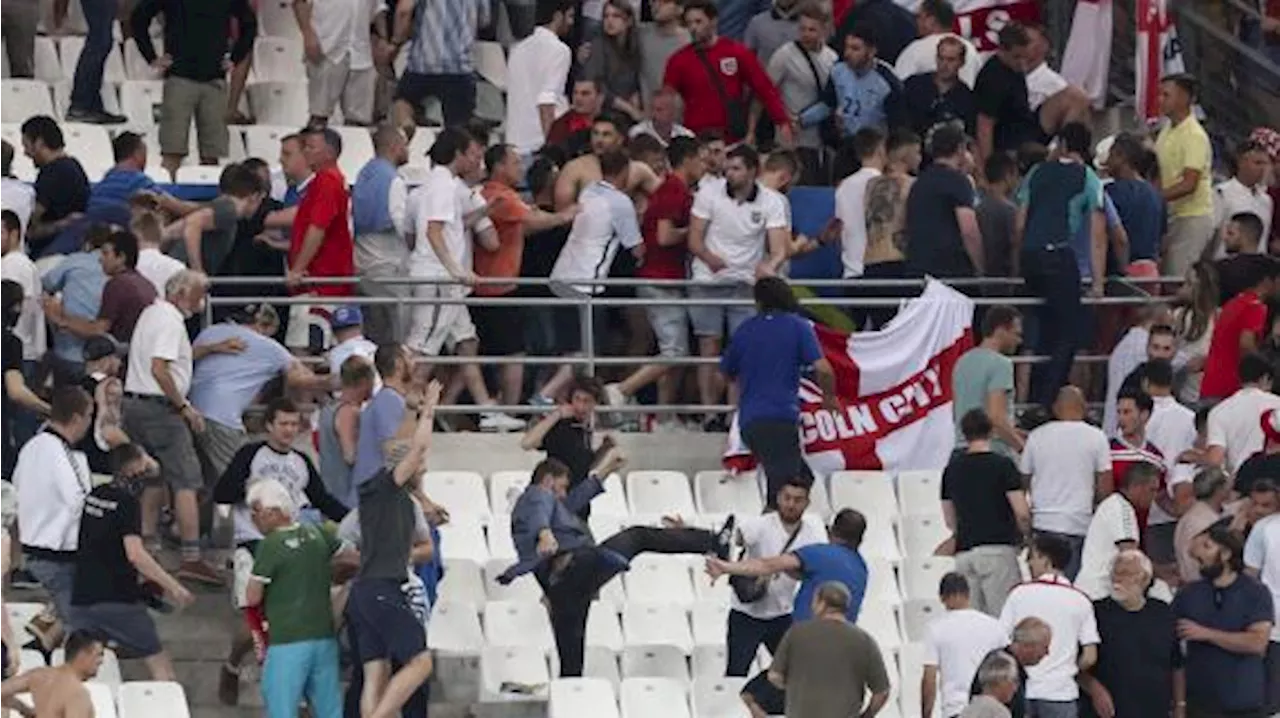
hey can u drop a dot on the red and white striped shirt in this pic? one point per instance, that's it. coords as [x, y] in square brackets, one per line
[1125, 456]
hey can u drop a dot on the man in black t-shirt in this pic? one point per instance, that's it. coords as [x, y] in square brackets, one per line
[1005, 118]
[106, 596]
[943, 237]
[21, 399]
[62, 190]
[985, 505]
[540, 252]
[566, 433]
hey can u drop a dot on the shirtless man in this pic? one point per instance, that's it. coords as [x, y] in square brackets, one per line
[607, 134]
[886, 207]
[58, 692]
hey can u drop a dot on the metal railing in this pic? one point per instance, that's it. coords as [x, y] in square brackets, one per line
[589, 361]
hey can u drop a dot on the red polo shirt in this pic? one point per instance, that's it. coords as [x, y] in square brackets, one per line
[738, 71]
[672, 200]
[327, 204]
[1244, 313]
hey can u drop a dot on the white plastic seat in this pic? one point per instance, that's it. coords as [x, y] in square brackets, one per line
[198, 174]
[660, 492]
[718, 492]
[276, 19]
[719, 698]
[136, 66]
[455, 629]
[91, 145]
[870, 492]
[706, 590]
[491, 105]
[263, 141]
[279, 102]
[655, 661]
[191, 159]
[279, 59]
[880, 540]
[577, 697]
[109, 92]
[518, 623]
[504, 488]
[881, 621]
[603, 628]
[650, 624]
[917, 614]
[524, 588]
[357, 150]
[709, 620]
[463, 541]
[20, 614]
[30, 658]
[108, 673]
[420, 145]
[462, 493]
[600, 662]
[659, 580]
[140, 101]
[922, 534]
[650, 697]
[921, 576]
[615, 501]
[819, 501]
[604, 525]
[24, 99]
[525, 666]
[152, 699]
[920, 493]
[47, 65]
[4, 60]
[463, 584]
[491, 63]
[501, 545]
[103, 698]
[911, 666]
[614, 593]
[235, 143]
[882, 581]
[709, 661]
[69, 49]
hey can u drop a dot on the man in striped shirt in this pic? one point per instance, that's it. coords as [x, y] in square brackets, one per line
[1129, 446]
[439, 57]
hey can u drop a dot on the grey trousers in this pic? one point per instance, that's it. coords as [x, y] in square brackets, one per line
[992, 572]
[18, 20]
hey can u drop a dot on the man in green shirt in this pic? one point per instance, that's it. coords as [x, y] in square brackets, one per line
[983, 379]
[291, 579]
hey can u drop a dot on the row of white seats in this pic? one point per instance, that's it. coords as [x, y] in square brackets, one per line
[135, 699]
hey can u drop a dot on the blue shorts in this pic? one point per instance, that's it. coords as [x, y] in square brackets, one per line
[385, 625]
[302, 669]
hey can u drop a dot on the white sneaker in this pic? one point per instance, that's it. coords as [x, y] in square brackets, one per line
[497, 421]
[613, 393]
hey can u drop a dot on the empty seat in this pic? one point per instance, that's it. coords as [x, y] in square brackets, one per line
[140, 101]
[462, 493]
[659, 579]
[463, 541]
[504, 488]
[706, 590]
[47, 65]
[518, 623]
[463, 584]
[718, 492]
[655, 662]
[646, 624]
[525, 588]
[881, 621]
[103, 698]
[604, 525]
[603, 628]
[455, 629]
[526, 667]
[193, 145]
[708, 620]
[92, 146]
[23, 99]
[198, 174]
[69, 49]
[357, 150]
[276, 19]
[917, 614]
[719, 698]
[880, 541]
[614, 501]
[263, 141]
[709, 661]
[920, 493]
[279, 103]
[420, 145]
[501, 545]
[660, 492]
[279, 59]
[870, 492]
[136, 66]
[911, 666]
[882, 581]
[614, 593]
[490, 63]
[577, 697]
[921, 535]
[650, 697]
[921, 576]
[152, 699]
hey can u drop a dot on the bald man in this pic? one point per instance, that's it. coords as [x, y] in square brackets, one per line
[378, 200]
[607, 135]
[1066, 465]
[1029, 645]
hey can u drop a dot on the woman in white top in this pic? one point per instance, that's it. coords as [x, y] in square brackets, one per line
[1193, 325]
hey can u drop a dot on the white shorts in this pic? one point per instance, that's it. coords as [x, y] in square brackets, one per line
[309, 327]
[434, 327]
[329, 83]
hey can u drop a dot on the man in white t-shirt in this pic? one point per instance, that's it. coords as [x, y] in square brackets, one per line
[1171, 429]
[15, 195]
[1051, 684]
[1262, 561]
[153, 264]
[851, 199]
[1068, 464]
[1235, 424]
[954, 646]
[537, 72]
[1115, 527]
[442, 210]
[934, 20]
[16, 266]
[337, 49]
[766, 620]
[738, 230]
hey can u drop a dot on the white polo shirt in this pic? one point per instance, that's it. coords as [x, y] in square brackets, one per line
[737, 232]
[1113, 522]
[851, 210]
[161, 333]
[342, 27]
[436, 200]
[1233, 197]
[607, 221]
[1172, 429]
[17, 266]
[1069, 613]
[1236, 424]
[763, 537]
[1063, 458]
[537, 70]
[1262, 553]
[158, 268]
[956, 643]
[51, 480]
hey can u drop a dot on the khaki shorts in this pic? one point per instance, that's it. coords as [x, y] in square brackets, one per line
[206, 102]
[434, 327]
[329, 83]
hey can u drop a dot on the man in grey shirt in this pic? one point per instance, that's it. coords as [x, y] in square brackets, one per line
[983, 379]
[998, 674]
[771, 29]
[206, 236]
[801, 68]
[659, 40]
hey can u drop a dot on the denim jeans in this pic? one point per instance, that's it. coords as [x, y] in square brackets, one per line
[55, 577]
[302, 669]
[86, 91]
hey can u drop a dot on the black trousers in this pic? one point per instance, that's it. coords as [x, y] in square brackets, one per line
[776, 446]
[1052, 274]
[747, 634]
[571, 590]
[877, 317]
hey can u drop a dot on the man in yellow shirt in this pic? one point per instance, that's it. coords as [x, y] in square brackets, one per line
[1185, 159]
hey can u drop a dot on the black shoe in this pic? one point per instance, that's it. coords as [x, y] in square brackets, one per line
[715, 424]
[724, 539]
[95, 117]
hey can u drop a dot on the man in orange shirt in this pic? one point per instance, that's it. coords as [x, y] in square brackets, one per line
[320, 242]
[501, 329]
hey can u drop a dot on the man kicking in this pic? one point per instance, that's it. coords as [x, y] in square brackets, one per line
[558, 549]
[58, 692]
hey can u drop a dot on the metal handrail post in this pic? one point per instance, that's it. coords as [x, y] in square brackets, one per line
[589, 333]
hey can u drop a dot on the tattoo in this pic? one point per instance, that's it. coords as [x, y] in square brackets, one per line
[886, 211]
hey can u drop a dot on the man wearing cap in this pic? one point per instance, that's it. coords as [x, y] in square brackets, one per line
[1263, 464]
[347, 323]
[239, 357]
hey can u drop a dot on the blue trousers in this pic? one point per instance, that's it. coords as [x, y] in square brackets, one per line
[302, 669]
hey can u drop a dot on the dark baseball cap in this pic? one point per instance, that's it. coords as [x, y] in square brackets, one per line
[102, 346]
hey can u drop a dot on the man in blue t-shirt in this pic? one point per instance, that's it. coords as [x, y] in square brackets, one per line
[766, 358]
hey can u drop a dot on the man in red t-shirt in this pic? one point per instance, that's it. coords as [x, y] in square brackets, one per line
[738, 78]
[665, 228]
[574, 126]
[1239, 330]
[320, 242]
